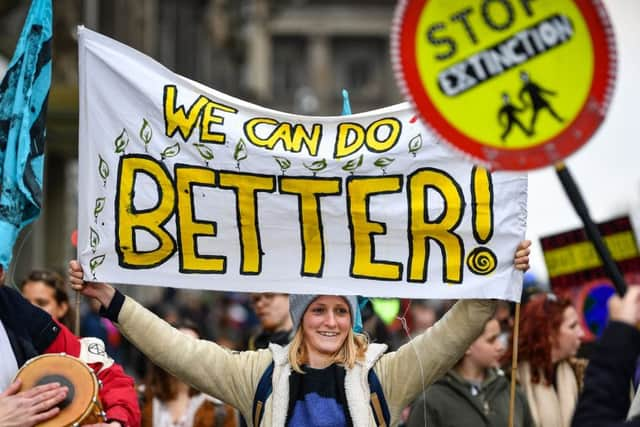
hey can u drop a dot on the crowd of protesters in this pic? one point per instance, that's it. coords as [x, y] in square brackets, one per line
[555, 387]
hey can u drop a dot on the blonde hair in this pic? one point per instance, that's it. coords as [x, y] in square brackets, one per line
[352, 350]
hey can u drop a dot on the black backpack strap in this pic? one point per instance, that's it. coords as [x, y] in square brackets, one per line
[378, 402]
[262, 394]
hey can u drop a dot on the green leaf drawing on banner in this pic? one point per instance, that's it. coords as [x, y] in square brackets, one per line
[99, 207]
[383, 162]
[94, 239]
[205, 152]
[240, 152]
[121, 141]
[283, 163]
[415, 144]
[146, 134]
[94, 263]
[103, 169]
[170, 151]
[353, 164]
[316, 166]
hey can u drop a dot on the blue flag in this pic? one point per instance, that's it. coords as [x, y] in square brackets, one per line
[362, 301]
[23, 109]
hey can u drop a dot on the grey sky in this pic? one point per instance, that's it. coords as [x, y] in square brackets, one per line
[607, 168]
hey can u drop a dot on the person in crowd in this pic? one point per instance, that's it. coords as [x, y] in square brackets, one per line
[272, 310]
[170, 402]
[420, 314]
[27, 331]
[548, 372]
[475, 392]
[320, 377]
[424, 313]
[47, 290]
[603, 401]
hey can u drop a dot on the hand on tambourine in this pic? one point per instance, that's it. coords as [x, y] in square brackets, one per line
[29, 407]
[103, 292]
[521, 258]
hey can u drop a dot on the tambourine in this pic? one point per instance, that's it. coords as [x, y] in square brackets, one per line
[81, 406]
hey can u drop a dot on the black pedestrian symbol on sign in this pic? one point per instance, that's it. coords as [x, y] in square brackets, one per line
[532, 97]
[510, 111]
[537, 100]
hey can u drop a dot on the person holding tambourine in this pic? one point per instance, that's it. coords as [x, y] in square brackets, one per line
[26, 331]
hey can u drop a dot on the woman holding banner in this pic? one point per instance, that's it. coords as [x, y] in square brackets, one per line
[548, 372]
[321, 377]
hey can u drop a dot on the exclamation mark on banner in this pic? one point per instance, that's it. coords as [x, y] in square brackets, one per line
[482, 260]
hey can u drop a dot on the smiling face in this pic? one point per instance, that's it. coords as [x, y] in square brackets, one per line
[566, 342]
[325, 327]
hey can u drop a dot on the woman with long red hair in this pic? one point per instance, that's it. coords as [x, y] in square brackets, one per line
[548, 372]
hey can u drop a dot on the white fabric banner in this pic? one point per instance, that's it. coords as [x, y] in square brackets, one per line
[184, 186]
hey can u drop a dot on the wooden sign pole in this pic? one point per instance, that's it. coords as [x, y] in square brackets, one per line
[514, 366]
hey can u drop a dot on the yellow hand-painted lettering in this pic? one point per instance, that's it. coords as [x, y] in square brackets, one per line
[202, 111]
[435, 200]
[379, 136]
[292, 137]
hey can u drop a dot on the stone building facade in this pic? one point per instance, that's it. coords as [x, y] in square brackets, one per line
[289, 55]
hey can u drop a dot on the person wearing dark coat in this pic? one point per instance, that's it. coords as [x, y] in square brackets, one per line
[604, 401]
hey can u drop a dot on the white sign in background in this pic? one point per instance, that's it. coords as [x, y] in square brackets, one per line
[389, 182]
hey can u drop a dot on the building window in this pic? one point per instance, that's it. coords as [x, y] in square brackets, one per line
[360, 65]
[288, 68]
[180, 34]
[359, 74]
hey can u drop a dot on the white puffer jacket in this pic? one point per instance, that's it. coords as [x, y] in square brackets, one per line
[234, 376]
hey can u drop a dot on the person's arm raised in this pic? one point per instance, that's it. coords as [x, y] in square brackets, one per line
[611, 367]
[429, 355]
[210, 368]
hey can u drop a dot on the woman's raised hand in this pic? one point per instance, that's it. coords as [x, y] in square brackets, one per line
[626, 309]
[521, 258]
[103, 292]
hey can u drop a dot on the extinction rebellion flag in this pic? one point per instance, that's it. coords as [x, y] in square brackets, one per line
[23, 106]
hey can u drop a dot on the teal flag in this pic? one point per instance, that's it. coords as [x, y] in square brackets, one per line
[23, 107]
[362, 301]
